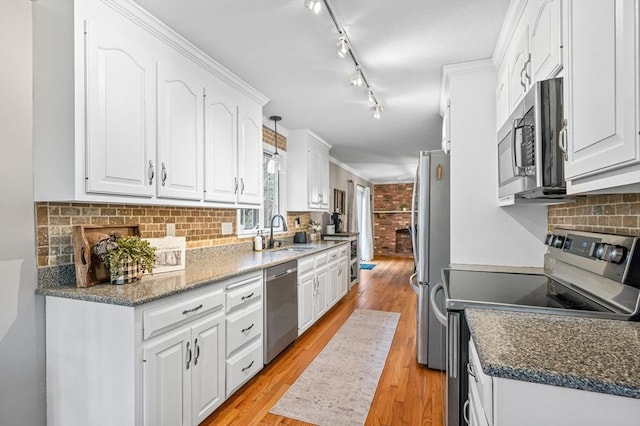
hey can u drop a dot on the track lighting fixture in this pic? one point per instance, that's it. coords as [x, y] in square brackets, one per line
[376, 111]
[313, 5]
[356, 80]
[345, 48]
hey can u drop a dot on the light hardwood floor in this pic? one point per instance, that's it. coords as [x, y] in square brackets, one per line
[407, 394]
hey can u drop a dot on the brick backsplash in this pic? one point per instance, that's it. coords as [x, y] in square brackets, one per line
[200, 225]
[613, 214]
[392, 202]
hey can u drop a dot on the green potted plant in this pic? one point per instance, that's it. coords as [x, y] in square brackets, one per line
[129, 260]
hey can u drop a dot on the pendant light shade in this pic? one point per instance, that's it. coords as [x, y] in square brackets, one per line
[275, 162]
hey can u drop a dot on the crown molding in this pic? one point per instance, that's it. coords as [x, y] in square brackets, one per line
[513, 16]
[157, 28]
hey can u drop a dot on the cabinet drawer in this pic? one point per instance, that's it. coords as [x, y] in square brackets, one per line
[305, 265]
[321, 259]
[244, 292]
[156, 320]
[342, 251]
[333, 255]
[243, 326]
[243, 366]
[482, 382]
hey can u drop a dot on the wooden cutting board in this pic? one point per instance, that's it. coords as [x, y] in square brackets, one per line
[89, 268]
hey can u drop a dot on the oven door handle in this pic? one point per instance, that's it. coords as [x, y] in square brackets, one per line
[413, 283]
[442, 318]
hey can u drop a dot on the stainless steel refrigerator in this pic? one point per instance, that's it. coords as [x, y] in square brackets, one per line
[430, 239]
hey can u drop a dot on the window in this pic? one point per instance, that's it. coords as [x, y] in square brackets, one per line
[252, 220]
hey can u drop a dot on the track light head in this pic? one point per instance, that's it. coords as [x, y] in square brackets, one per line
[372, 98]
[376, 111]
[313, 5]
[343, 47]
[356, 80]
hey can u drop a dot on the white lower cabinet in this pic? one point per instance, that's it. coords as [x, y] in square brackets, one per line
[323, 279]
[184, 373]
[172, 361]
[495, 401]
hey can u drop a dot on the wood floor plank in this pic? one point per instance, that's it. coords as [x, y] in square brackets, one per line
[407, 394]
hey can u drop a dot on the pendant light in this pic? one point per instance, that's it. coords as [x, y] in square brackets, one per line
[275, 162]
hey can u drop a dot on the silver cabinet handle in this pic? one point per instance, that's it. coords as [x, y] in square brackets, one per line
[465, 411]
[562, 140]
[526, 69]
[152, 172]
[241, 186]
[522, 83]
[189, 354]
[248, 328]
[471, 372]
[163, 174]
[195, 360]
[436, 311]
[235, 185]
[248, 296]
[187, 311]
[248, 366]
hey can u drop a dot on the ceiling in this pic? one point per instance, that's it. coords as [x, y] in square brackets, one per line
[289, 54]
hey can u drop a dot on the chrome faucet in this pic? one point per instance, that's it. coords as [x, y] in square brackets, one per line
[284, 228]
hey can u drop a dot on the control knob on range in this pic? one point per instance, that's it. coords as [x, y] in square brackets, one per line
[558, 241]
[549, 240]
[599, 251]
[616, 254]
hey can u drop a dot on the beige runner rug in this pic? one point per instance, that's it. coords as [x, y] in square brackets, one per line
[338, 386]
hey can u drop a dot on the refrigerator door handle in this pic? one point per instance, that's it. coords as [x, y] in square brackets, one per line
[413, 283]
[414, 212]
[442, 318]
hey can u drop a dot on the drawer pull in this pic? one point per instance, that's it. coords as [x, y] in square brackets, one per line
[188, 356]
[248, 367]
[248, 296]
[471, 372]
[248, 328]
[188, 311]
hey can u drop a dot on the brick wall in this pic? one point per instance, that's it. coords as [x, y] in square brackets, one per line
[392, 212]
[200, 225]
[614, 214]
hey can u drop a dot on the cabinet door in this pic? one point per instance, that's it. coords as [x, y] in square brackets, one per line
[601, 86]
[343, 277]
[208, 374]
[167, 385]
[313, 178]
[320, 300]
[502, 99]
[332, 285]
[517, 57]
[250, 154]
[220, 146]
[546, 39]
[306, 296]
[120, 111]
[323, 180]
[180, 129]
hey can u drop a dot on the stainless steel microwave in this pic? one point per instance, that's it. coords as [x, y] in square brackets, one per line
[530, 159]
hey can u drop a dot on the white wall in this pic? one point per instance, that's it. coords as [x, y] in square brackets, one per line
[481, 232]
[22, 384]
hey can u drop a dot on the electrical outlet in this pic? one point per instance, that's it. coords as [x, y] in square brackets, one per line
[227, 228]
[171, 229]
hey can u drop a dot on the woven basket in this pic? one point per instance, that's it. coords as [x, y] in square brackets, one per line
[126, 273]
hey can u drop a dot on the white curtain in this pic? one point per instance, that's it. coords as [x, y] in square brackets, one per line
[366, 230]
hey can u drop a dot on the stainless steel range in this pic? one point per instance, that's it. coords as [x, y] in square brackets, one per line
[585, 274]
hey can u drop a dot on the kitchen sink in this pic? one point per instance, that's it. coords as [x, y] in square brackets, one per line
[293, 249]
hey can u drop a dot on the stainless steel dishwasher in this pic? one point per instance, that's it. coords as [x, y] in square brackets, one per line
[281, 308]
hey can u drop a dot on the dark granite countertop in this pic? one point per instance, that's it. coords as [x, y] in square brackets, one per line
[589, 354]
[199, 271]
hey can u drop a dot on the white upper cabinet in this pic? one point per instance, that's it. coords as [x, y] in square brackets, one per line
[601, 94]
[180, 129]
[502, 98]
[250, 154]
[308, 170]
[518, 64]
[220, 145]
[545, 39]
[120, 111]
